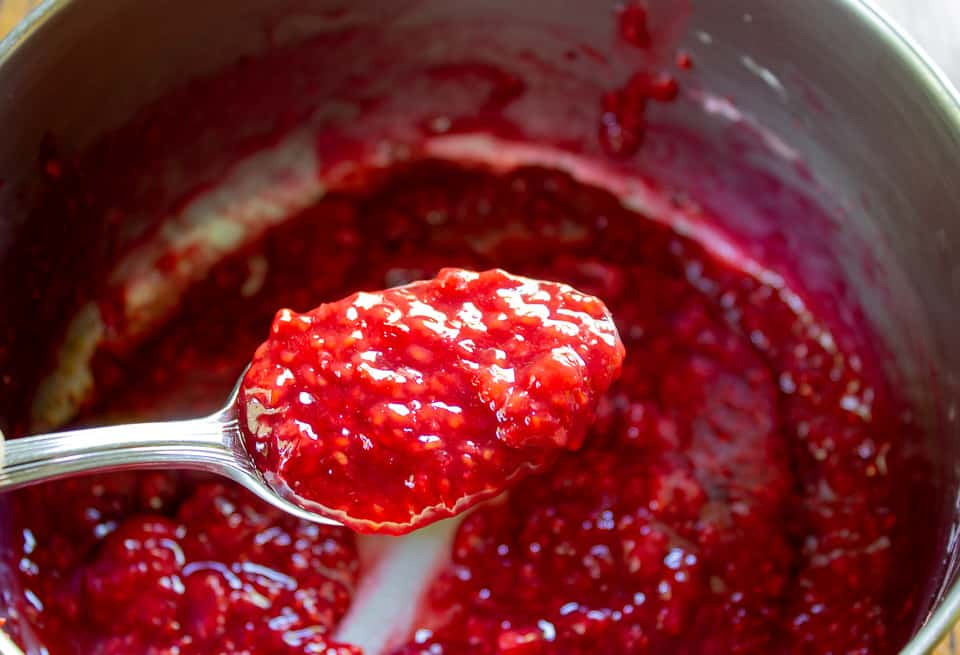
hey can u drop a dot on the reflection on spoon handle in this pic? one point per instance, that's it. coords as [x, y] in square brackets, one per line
[203, 444]
[212, 444]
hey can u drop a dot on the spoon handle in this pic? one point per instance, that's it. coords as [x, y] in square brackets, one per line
[203, 444]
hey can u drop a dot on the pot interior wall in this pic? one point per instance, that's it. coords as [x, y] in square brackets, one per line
[794, 126]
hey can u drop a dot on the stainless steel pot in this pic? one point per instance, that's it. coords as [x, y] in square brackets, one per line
[826, 98]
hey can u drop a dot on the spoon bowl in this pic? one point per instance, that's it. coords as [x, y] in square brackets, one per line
[213, 444]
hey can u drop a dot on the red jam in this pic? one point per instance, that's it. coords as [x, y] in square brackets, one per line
[623, 112]
[632, 22]
[623, 121]
[392, 409]
[741, 491]
[154, 563]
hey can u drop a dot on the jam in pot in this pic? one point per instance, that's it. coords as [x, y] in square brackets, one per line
[735, 494]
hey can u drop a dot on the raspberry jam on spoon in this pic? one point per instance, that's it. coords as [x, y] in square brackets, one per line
[390, 410]
[383, 411]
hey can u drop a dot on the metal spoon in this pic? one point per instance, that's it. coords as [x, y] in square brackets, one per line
[213, 444]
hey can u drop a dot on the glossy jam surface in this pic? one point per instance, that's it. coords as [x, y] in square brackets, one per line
[743, 490]
[392, 409]
[153, 564]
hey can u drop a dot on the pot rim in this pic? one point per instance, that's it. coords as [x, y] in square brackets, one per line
[941, 621]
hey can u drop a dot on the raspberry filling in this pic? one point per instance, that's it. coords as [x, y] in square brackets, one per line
[748, 486]
[155, 563]
[393, 409]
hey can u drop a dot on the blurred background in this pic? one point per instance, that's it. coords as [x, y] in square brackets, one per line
[935, 24]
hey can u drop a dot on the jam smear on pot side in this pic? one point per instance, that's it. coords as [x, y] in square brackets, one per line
[392, 409]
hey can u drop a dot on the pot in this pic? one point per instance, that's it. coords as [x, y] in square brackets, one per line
[829, 109]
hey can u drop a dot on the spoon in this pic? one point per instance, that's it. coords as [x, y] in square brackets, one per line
[213, 444]
[384, 411]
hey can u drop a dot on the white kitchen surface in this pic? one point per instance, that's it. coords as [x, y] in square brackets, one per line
[934, 24]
